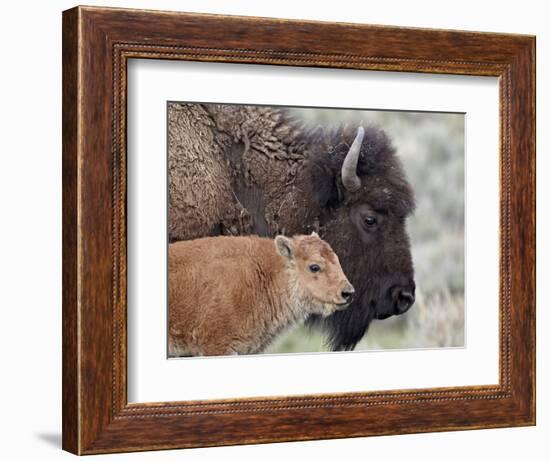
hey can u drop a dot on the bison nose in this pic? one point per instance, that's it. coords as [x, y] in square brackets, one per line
[347, 293]
[405, 298]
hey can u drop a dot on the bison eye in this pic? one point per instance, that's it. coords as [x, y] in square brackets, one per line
[370, 221]
[314, 268]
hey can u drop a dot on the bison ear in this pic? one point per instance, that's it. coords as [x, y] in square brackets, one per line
[324, 187]
[284, 246]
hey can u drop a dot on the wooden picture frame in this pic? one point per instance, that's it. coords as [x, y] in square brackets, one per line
[97, 43]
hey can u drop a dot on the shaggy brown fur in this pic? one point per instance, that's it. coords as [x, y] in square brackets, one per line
[233, 295]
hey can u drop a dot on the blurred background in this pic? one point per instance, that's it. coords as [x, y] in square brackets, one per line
[431, 148]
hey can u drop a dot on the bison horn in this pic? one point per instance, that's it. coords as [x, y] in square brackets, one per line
[349, 168]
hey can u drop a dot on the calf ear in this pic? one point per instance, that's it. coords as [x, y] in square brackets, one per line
[284, 246]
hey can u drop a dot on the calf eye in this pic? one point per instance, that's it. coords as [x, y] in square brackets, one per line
[314, 268]
[370, 221]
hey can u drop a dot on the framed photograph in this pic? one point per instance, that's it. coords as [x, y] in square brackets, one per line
[281, 230]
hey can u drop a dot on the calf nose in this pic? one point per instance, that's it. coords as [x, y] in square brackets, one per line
[347, 293]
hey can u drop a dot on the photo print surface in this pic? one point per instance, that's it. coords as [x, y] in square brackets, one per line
[294, 230]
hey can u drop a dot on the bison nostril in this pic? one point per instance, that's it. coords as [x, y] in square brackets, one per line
[405, 299]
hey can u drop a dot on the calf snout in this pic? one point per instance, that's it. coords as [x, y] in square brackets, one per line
[348, 292]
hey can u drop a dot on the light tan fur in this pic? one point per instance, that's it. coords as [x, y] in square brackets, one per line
[233, 295]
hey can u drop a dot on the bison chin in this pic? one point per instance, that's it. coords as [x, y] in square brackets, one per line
[344, 329]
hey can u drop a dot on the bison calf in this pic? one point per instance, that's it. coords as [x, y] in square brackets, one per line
[233, 295]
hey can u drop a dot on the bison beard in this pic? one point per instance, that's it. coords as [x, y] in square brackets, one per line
[344, 329]
[274, 175]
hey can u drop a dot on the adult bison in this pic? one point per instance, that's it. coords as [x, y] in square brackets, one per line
[238, 170]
